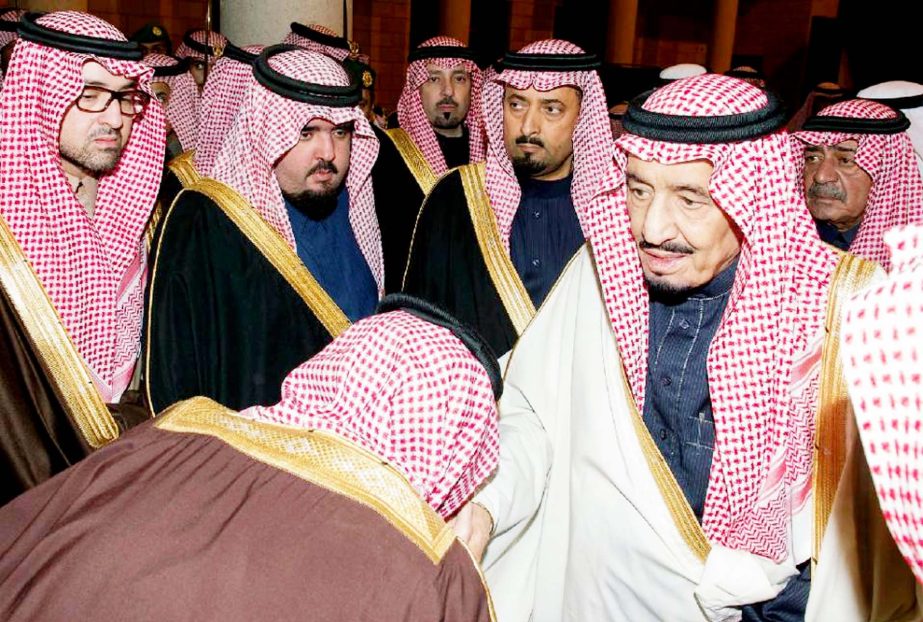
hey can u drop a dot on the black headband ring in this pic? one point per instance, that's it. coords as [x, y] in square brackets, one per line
[442, 51]
[306, 92]
[433, 314]
[31, 30]
[904, 103]
[548, 62]
[333, 41]
[706, 129]
[239, 54]
[181, 67]
[849, 125]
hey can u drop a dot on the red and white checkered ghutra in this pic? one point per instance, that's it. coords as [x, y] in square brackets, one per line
[226, 87]
[412, 118]
[896, 196]
[763, 393]
[93, 270]
[883, 364]
[338, 53]
[593, 170]
[181, 107]
[410, 392]
[267, 125]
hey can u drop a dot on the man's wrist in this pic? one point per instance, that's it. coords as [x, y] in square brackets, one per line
[490, 517]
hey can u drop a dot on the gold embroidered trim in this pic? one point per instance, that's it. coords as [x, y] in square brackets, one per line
[683, 516]
[492, 614]
[183, 166]
[512, 292]
[413, 158]
[271, 245]
[59, 358]
[851, 275]
[325, 460]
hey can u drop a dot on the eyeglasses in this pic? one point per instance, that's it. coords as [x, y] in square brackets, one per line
[97, 99]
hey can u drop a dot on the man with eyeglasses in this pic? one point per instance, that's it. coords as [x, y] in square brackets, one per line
[80, 164]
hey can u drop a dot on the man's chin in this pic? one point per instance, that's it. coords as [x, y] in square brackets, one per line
[661, 287]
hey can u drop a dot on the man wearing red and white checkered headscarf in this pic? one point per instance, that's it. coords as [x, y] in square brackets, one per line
[440, 128]
[9, 23]
[78, 178]
[318, 38]
[226, 88]
[376, 441]
[492, 238]
[662, 405]
[178, 99]
[883, 363]
[860, 175]
[261, 265]
[200, 46]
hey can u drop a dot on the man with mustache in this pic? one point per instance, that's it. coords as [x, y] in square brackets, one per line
[672, 427]
[492, 238]
[440, 128]
[860, 175]
[260, 266]
[80, 164]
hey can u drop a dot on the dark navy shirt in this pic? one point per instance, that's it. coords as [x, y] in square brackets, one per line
[831, 235]
[678, 413]
[545, 234]
[677, 404]
[329, 249]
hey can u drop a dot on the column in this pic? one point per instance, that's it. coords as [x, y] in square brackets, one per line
[455, 19]
[252, 22]
[623, 20]
[722, 40]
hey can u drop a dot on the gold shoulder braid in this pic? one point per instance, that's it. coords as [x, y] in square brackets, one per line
[851, 275]
[183, 166]
[512, 292]
[59, 358]
[413, 158]
[683, 516]
[271, 245]
[324, 459]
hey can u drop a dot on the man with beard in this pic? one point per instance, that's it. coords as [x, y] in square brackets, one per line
[80, 163]
[330, 505]
[491, 239]
[860, 175]
[258, 268]
[440, 128]
[672, 425]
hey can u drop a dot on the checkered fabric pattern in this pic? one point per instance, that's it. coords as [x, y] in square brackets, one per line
[896, 197]
[594, 174]
[215, 39]
[268, 125]
[763, 400]
[883, 364]
[221, 99]
[897, 89]
[181, 109]
[412, 118]
[93, 270]
[408, 391]
[8, 15]
[333, 52]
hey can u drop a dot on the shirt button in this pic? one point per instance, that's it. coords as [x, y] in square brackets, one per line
[536, 263]
[663, 434]
[683, 323]
[666, 381]
[536, 214]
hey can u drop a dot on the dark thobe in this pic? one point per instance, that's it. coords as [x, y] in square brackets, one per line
[186, 523]
[831, 235]
[398, 197]
[455, 149]
[678, 410]
[545, 235]
[223, 320]
[329, 249]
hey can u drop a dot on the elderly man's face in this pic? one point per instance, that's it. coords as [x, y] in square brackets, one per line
[835, 186]
[446, 97]
[684, 239]
[538, 130]
[314, 169]
[92, 142]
